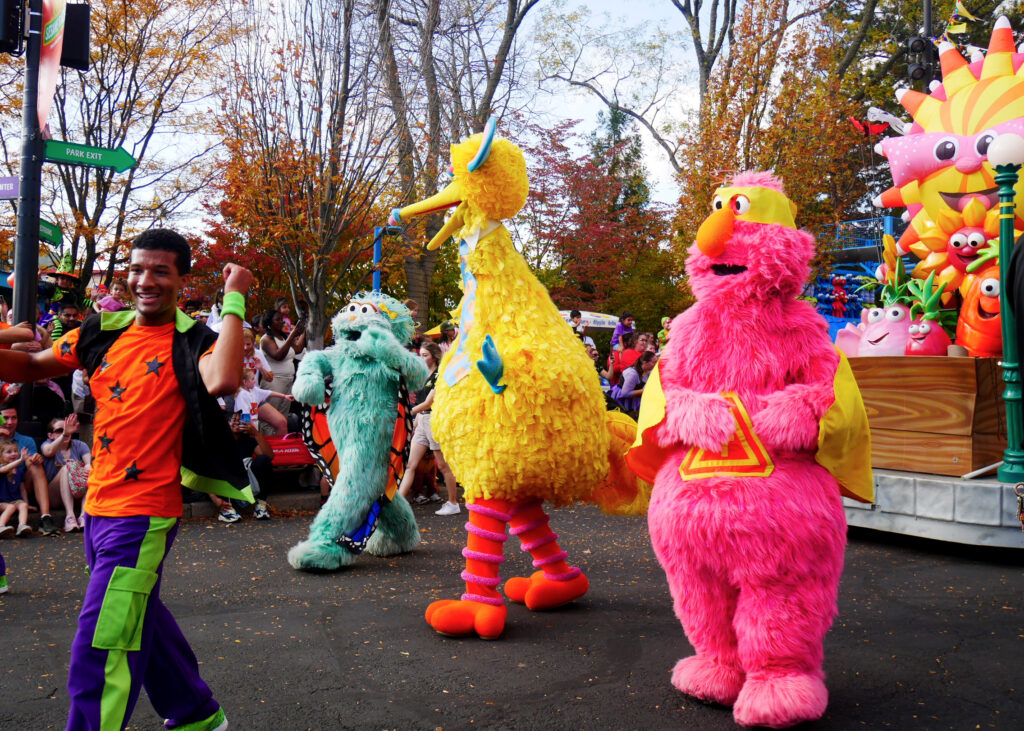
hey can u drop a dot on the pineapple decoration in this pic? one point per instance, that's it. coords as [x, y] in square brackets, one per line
[940, 168]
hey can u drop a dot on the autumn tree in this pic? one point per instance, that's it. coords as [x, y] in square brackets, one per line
[308, 139]
[447, 67]
[152, 72]
[589, 229]
[639, 69]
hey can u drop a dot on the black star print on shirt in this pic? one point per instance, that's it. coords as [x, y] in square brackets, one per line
[65, 348]
[105, 441]
[154, 366]
[116, 391]
[133, 472]
[104, 365]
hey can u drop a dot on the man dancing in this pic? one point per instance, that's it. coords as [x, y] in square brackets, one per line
[155, 374]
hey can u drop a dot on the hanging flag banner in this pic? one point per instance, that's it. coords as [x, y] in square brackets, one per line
[49, 58]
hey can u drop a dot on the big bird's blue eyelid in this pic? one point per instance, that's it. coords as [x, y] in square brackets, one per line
[485, 145]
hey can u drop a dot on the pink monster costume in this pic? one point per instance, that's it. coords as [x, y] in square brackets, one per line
[755, 417]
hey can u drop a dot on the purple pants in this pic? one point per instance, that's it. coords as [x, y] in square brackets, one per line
[126, 637]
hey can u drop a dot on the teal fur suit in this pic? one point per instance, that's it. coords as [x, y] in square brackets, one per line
[365, 363]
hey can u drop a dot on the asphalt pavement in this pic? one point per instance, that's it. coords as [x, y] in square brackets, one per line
[929, 635]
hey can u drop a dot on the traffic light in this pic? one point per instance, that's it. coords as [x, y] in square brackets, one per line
[75, 51]
[922, 60]
[12, 26]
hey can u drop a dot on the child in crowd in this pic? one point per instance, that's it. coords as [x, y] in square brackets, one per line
[116, 300]
[625, 325]
[258, 463]
[254, 359]
[67, 462]
[250, 402]
[12, 491]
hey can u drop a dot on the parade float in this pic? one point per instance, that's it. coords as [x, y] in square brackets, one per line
[936, 411]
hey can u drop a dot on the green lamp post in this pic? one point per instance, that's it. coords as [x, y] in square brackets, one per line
[1006, 153]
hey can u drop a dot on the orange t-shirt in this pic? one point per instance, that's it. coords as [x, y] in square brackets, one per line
[138, 427]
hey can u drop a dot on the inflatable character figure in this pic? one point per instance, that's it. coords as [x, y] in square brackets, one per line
[882, 330]
[366, 367]
[927, 334]
[940, 169]
[980, 326]
[754, 428]
[518, 409]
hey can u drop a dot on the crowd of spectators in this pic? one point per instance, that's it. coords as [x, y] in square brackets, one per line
[628, 365]
[46, 462]
[45, 457]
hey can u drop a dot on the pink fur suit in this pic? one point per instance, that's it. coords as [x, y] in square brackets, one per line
[753, 563]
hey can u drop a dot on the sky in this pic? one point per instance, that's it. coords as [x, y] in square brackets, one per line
[566, 103]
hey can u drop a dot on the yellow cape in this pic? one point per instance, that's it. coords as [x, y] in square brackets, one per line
[844, 441]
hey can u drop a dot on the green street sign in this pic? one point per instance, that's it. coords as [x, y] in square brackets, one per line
[50, 232]
[97, 157]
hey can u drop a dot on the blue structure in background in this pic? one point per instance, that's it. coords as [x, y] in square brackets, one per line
[857, 249]
[378, 250]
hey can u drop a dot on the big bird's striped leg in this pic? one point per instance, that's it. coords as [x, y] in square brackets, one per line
[556, 583]
[482, 608]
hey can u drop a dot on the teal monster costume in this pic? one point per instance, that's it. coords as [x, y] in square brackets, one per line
[365, 367]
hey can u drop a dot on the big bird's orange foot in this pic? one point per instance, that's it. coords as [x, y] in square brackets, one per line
[458, 617]
[540, 593]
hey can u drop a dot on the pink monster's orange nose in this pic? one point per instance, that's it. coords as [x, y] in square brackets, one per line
[716, 231]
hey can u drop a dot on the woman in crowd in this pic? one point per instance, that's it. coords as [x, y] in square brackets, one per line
[280, 349]
[448, 334]
[631, 388]
[67, 461]
[423, 437]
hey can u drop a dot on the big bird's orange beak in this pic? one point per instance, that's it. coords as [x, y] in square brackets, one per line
[716, 231]
[450, 196]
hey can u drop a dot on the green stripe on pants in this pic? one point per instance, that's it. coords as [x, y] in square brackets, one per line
[119, 627]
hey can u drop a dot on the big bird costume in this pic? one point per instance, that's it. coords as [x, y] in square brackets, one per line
[518, 409]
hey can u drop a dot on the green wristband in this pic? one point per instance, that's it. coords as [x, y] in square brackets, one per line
[234, 304]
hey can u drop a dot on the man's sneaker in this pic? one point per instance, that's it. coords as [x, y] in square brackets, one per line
[261, 512]
[420, 499]
[3, 584]
[48, 526]
[24, 530]
[448, 509]
[70, 524]
[436, 497]
[216, 722]
[6, 531]
[228, 515]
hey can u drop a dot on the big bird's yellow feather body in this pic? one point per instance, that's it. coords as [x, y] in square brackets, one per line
[518, 409]
[545, 435]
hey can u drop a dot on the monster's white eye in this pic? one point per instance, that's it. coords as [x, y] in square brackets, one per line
[913, 329]
[741, 204]
[717, 203]
[924, 328]
[976, 239]
[895, 314]
[365, 309]
[983, 141]
[352, 308]
[875, 314]
[958, 241]
[946, 148]
[990, 287]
